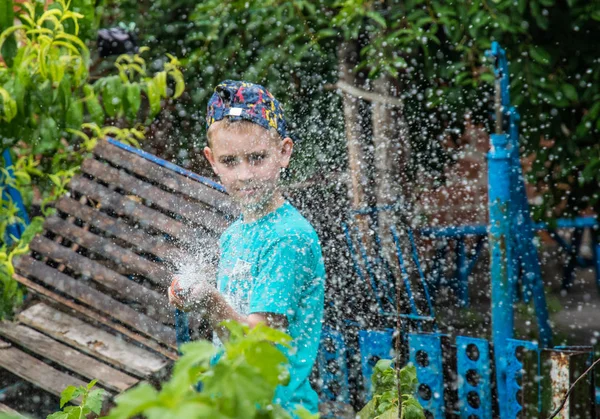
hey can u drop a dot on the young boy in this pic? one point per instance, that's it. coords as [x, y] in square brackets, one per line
[271, 267]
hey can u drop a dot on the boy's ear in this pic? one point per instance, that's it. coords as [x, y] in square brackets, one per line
[211, 159]
[287, 146]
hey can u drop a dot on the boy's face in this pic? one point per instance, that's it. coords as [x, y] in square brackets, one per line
[249, 164]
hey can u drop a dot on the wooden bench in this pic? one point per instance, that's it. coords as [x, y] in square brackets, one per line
[100, 269]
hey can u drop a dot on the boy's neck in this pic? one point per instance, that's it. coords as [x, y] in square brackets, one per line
[251, 215]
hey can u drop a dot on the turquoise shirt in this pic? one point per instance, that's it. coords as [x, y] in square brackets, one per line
[275, 265]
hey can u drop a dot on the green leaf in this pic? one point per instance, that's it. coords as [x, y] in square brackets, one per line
[68, 394]
[91, 384]
[411, 409]
[539, 55]
[9, 106]
[160, 81]
[153, 97]
[132, 100]
[268, 359]
[75, 114]
[95, 399]
[111, 96]
[93, 105]
[58, 415]
[49, 136]
[134, 401]
[7, 17]
[377, 18]
[570, 92]
[179, 83]
[368, 411]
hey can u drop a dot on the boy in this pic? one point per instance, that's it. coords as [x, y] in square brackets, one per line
[271, 268]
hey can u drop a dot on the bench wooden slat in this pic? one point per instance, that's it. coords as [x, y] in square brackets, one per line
[53, 297]
[105, 247]
[191, 211]
[35, 371]
[154, 302]
[96, 342]
[172, 180]
[5, 409]
[156, 246]
[146, 217]
[28, 266]
[67, 357]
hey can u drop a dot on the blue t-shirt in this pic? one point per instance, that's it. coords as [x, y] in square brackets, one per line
[275, 265]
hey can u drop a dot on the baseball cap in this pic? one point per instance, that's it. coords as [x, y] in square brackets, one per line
[243, 100]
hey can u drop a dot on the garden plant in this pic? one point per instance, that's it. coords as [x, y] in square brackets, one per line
[53, 111]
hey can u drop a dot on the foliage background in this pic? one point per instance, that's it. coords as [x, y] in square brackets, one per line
[433, 50]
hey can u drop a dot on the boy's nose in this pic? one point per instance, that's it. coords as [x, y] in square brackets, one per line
[244, 172]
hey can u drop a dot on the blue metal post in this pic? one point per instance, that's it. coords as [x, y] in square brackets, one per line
[522, 251]
[474, 378]
[426, 355]
[11, 194]
[462, 279]
[499, 244]
[374, 345]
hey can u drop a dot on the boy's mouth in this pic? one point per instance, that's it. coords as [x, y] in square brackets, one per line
[247, 191]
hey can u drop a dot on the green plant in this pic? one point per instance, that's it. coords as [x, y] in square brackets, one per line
[386, 382]
[90, 402]
[241, 383]
[53, 111]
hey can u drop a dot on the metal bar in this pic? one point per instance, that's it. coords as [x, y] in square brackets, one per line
[510, 405]
[596, 258]
[474, 378]
[365, 257]
[333, 371]
[481, 229]
[426, 355]
[462, 286]
[559, 375]
[404, 273]
[415, 256]
[475, 256]
[168, 165]
[502, 290]
[374, 345]
[569, 271]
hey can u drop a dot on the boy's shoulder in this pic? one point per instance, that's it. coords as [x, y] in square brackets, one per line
[292, 223]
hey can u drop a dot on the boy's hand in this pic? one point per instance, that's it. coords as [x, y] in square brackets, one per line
[175, 295]
[201, 295]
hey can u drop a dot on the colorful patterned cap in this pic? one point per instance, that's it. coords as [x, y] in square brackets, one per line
[249, 101]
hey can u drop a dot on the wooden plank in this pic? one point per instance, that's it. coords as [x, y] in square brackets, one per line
[66, 356]
[146, 217]
[28, 266]
[105, 247]
[5, 409]
[193, 212]
[141, 240]
[35, 371]
[172, 180]
[155, 304]
[45, 293]
[96, 342]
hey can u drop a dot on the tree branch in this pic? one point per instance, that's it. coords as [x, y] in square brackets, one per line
[364, 94]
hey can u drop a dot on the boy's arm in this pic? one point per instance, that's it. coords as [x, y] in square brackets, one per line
[218, 310]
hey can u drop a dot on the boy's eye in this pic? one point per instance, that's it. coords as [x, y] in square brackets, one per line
[228, 161]
[256, 158]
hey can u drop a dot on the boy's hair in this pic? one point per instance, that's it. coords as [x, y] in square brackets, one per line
[239, 126]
